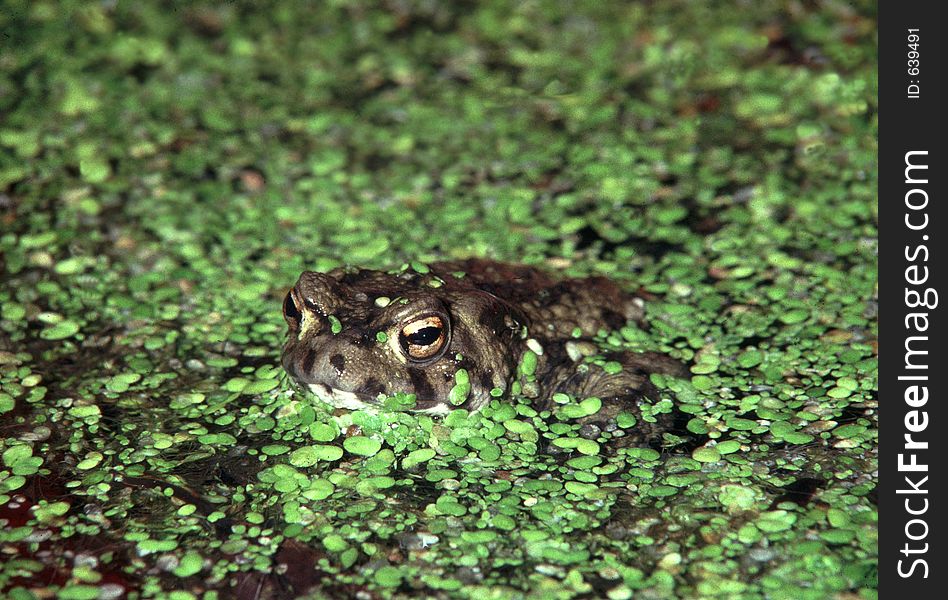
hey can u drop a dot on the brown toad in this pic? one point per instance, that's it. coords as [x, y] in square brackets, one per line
[357, 335]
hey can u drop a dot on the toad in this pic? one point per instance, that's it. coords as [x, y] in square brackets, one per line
[458, 334]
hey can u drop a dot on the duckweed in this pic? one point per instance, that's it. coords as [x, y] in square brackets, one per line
[166, 175]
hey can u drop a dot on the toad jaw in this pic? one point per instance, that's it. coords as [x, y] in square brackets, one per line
[353, 401]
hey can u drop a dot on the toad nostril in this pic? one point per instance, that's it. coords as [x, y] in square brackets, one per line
[338, 362]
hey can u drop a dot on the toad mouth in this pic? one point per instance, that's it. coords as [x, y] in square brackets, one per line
[356, 401]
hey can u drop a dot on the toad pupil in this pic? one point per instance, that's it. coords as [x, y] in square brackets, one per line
[424, 337]
[482, 316]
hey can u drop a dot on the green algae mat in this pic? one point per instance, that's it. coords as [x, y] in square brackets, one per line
[168, 170]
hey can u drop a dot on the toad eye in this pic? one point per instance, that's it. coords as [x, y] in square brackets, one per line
[424, 338]
[291, 313]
